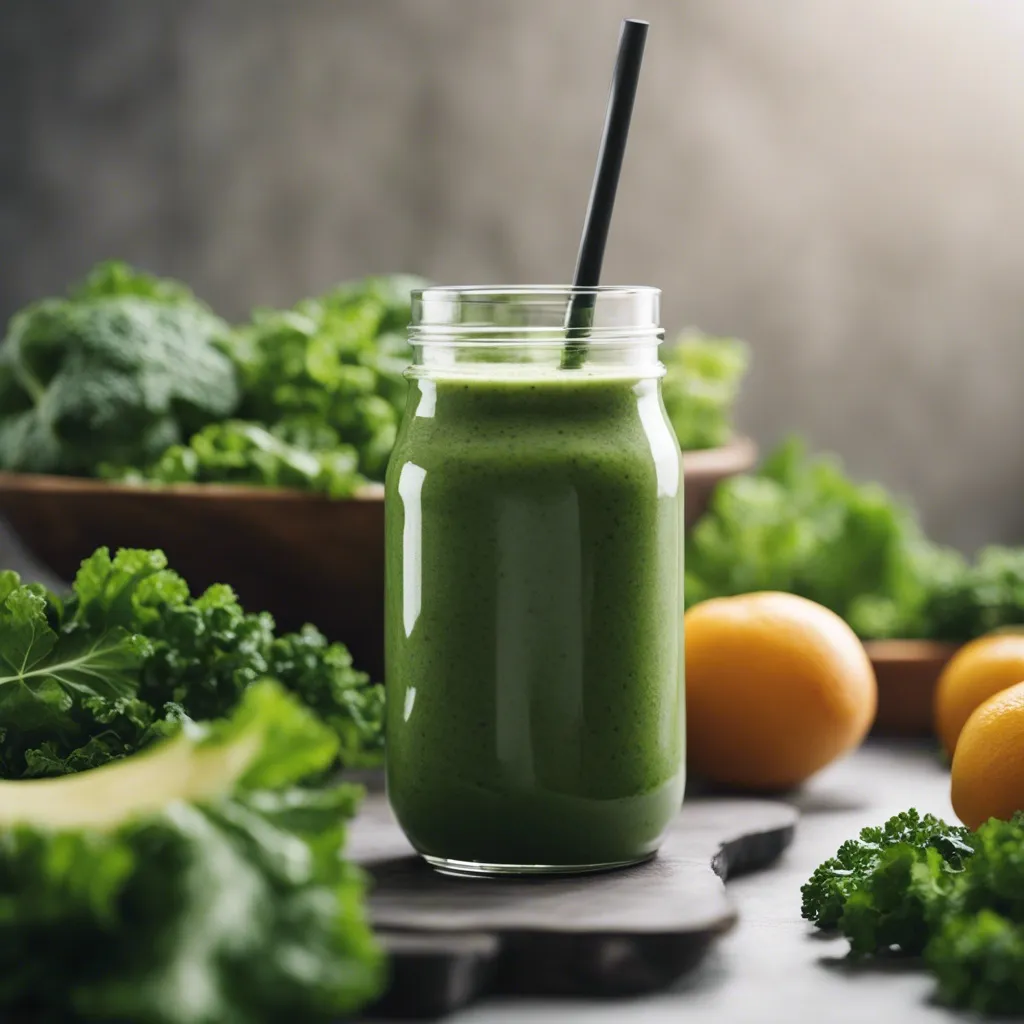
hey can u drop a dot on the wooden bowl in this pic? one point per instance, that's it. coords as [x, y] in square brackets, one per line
[302, 557]
[704, 470]
[907, 671]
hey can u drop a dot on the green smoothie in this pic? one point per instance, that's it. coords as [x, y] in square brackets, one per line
[534, 619]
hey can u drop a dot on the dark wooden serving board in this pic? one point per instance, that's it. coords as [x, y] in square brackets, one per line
[620, 933]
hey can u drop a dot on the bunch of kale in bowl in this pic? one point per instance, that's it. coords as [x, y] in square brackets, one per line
[131, 377]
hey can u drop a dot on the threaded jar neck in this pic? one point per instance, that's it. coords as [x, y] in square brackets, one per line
[525, 328]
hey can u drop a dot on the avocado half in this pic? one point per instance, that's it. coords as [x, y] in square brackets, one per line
[185, 768]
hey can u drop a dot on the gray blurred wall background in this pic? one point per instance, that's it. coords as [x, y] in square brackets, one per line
[841, 182]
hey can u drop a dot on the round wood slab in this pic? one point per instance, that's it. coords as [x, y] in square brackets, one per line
[619, 933]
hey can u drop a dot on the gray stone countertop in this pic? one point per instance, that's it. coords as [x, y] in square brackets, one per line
[772, 967]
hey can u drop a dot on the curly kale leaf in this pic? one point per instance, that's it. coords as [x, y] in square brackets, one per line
[880, 890]
[132, 378]
[93, 732]
[335, 362]
[207, 651]
[130, 590]
[51, 676]
[978, 962]
[35, 659]
[114, 277]
[322, 674]
[233, 906]
[117, 373]
[800, 525]
[995, 880]
[237, 452]
[977, 952]
[920, 886]
[986, 596]
[700, 388]
[181, 658]
[896, 905]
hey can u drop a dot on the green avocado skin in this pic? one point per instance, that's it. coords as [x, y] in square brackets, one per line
[534, 658]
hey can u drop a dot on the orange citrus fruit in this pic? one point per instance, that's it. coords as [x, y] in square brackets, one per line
[776, 688]
[988, 765]
[976, 672]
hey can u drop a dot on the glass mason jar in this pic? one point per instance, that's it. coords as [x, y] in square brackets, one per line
[534, 553]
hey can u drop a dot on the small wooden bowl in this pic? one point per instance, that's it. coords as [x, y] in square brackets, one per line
[302, 557]
[704, 470]
[907, 671]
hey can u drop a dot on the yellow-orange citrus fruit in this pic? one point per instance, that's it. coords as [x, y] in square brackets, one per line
[976, 672]
[988, 766]
[776, 688]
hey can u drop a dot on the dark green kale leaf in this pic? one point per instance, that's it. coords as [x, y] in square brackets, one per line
[237, 452]
[230, 907]
[335, 362]
[113, 277]
[800, 525]
[322, 674]
[978, 962]
[207, 651]
[35, 660]
[117, 373]
[48, 673]
[920, 886]
[986, 596]
[879, 889]
[93, 732]
[995, 880]
[189, 658]
[977, 952]
[896, 904]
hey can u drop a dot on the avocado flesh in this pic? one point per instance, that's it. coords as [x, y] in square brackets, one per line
[181, 769]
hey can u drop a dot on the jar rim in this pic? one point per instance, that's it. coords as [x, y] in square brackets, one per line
[540, 292]
[535, 312]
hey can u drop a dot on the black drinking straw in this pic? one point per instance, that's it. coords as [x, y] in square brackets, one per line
[580, 314]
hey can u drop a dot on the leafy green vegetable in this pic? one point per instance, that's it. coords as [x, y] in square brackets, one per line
[978, 961]
[977, 953]
[800, 525]
[188, 884]
[237, 452]
[331, 364]
[118, 372]
[894, 905]
[47, 672]
[116, 278]
[701, 386]
[130, 655]
[995, 880]
[35, 660]
[917, 886]
[876, 888]
[132, 378]
[986, 596]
